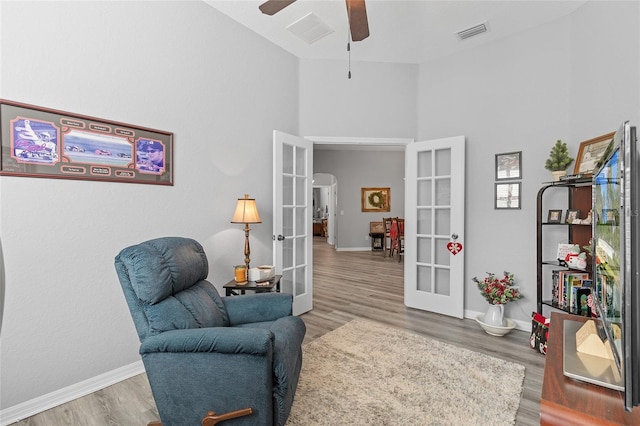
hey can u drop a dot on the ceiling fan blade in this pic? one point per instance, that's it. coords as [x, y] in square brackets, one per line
[357, 12]
[271, 7]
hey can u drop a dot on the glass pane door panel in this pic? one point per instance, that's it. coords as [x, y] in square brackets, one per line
[287, 221]
[287, 159]
[301, 283]
[442, 282]
[287, 253]
[424, 278]
[424, 250]
[443, 192]
[443, 255]
[424, 221]
[300, 251]
[301, 221]
[287, 190]
[443, 162]
[443, 221]
[424, 164]
[301, 190]
[424, 193]
[286, 282]
[301, 161]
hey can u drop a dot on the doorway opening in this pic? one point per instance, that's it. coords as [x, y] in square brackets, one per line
[325, 187]
[324, 179]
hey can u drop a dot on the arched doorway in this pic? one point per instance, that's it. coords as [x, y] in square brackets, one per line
[325, 187]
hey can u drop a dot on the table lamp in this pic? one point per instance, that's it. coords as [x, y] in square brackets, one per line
[246, 212]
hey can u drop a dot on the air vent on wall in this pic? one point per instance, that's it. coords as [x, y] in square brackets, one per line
[473, 31]
[310, 28]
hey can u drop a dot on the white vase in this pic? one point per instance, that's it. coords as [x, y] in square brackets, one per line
[558, 174]
[495, 315]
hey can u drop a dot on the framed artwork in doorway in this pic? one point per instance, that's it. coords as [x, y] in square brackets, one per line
[375, 199]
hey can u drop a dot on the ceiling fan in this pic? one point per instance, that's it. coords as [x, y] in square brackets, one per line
[356, 12]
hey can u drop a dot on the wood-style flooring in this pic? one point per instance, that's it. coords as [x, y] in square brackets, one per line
[347, 285]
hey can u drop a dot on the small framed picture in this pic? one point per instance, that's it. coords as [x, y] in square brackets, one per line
[509, 165]
[507, 196]
[572, 215]
[555, 216]
[590, 154]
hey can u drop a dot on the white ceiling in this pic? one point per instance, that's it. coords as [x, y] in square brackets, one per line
[401, 31]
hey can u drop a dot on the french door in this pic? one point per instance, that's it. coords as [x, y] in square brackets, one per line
[292, 233]
[434, 226]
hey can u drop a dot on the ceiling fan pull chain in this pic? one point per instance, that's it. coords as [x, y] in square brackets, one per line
[349, 51]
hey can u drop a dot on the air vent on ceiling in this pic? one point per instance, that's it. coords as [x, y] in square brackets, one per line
[473, 31]
[310, 28]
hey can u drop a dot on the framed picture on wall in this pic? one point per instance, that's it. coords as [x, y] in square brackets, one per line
[42, 142]
[375, 199]
[590, 153]
[507, 196]
[509, 165]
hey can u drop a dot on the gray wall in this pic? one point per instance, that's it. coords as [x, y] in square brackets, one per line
[175, 66]
[379, 101]
[354, 170]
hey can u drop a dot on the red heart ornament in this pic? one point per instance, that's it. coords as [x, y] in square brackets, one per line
[454, 248]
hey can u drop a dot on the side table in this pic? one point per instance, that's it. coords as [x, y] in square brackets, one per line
[232, 288]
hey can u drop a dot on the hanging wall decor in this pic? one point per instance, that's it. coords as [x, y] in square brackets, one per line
[590, 153]
[42, 142]
[509, 166]
[376, 199]
[507, 195]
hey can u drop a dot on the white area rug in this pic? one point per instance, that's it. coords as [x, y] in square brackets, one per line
[366, 373]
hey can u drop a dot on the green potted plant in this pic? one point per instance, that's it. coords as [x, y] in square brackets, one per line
[558, 160]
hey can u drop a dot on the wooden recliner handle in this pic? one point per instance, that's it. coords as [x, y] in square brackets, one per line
[212, 418]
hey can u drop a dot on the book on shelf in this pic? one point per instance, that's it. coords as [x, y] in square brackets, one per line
[572, 279]
[563, 284]
[582, 301]
[555, 289]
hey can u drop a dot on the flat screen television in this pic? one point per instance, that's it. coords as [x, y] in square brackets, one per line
[616, 235]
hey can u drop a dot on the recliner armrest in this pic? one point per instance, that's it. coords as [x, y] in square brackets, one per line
[253, 308]
[252, 341]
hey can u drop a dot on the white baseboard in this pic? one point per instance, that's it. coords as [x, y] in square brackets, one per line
[354, 249]
[64, 395]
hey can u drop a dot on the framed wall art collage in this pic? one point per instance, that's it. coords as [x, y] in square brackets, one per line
[508, 168]
[42, 142]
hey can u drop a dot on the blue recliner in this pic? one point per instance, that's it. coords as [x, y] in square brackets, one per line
[204, 353]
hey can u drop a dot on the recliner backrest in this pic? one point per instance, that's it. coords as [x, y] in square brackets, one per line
[164, 282]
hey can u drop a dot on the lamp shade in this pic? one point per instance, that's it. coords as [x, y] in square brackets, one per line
[246, 211]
